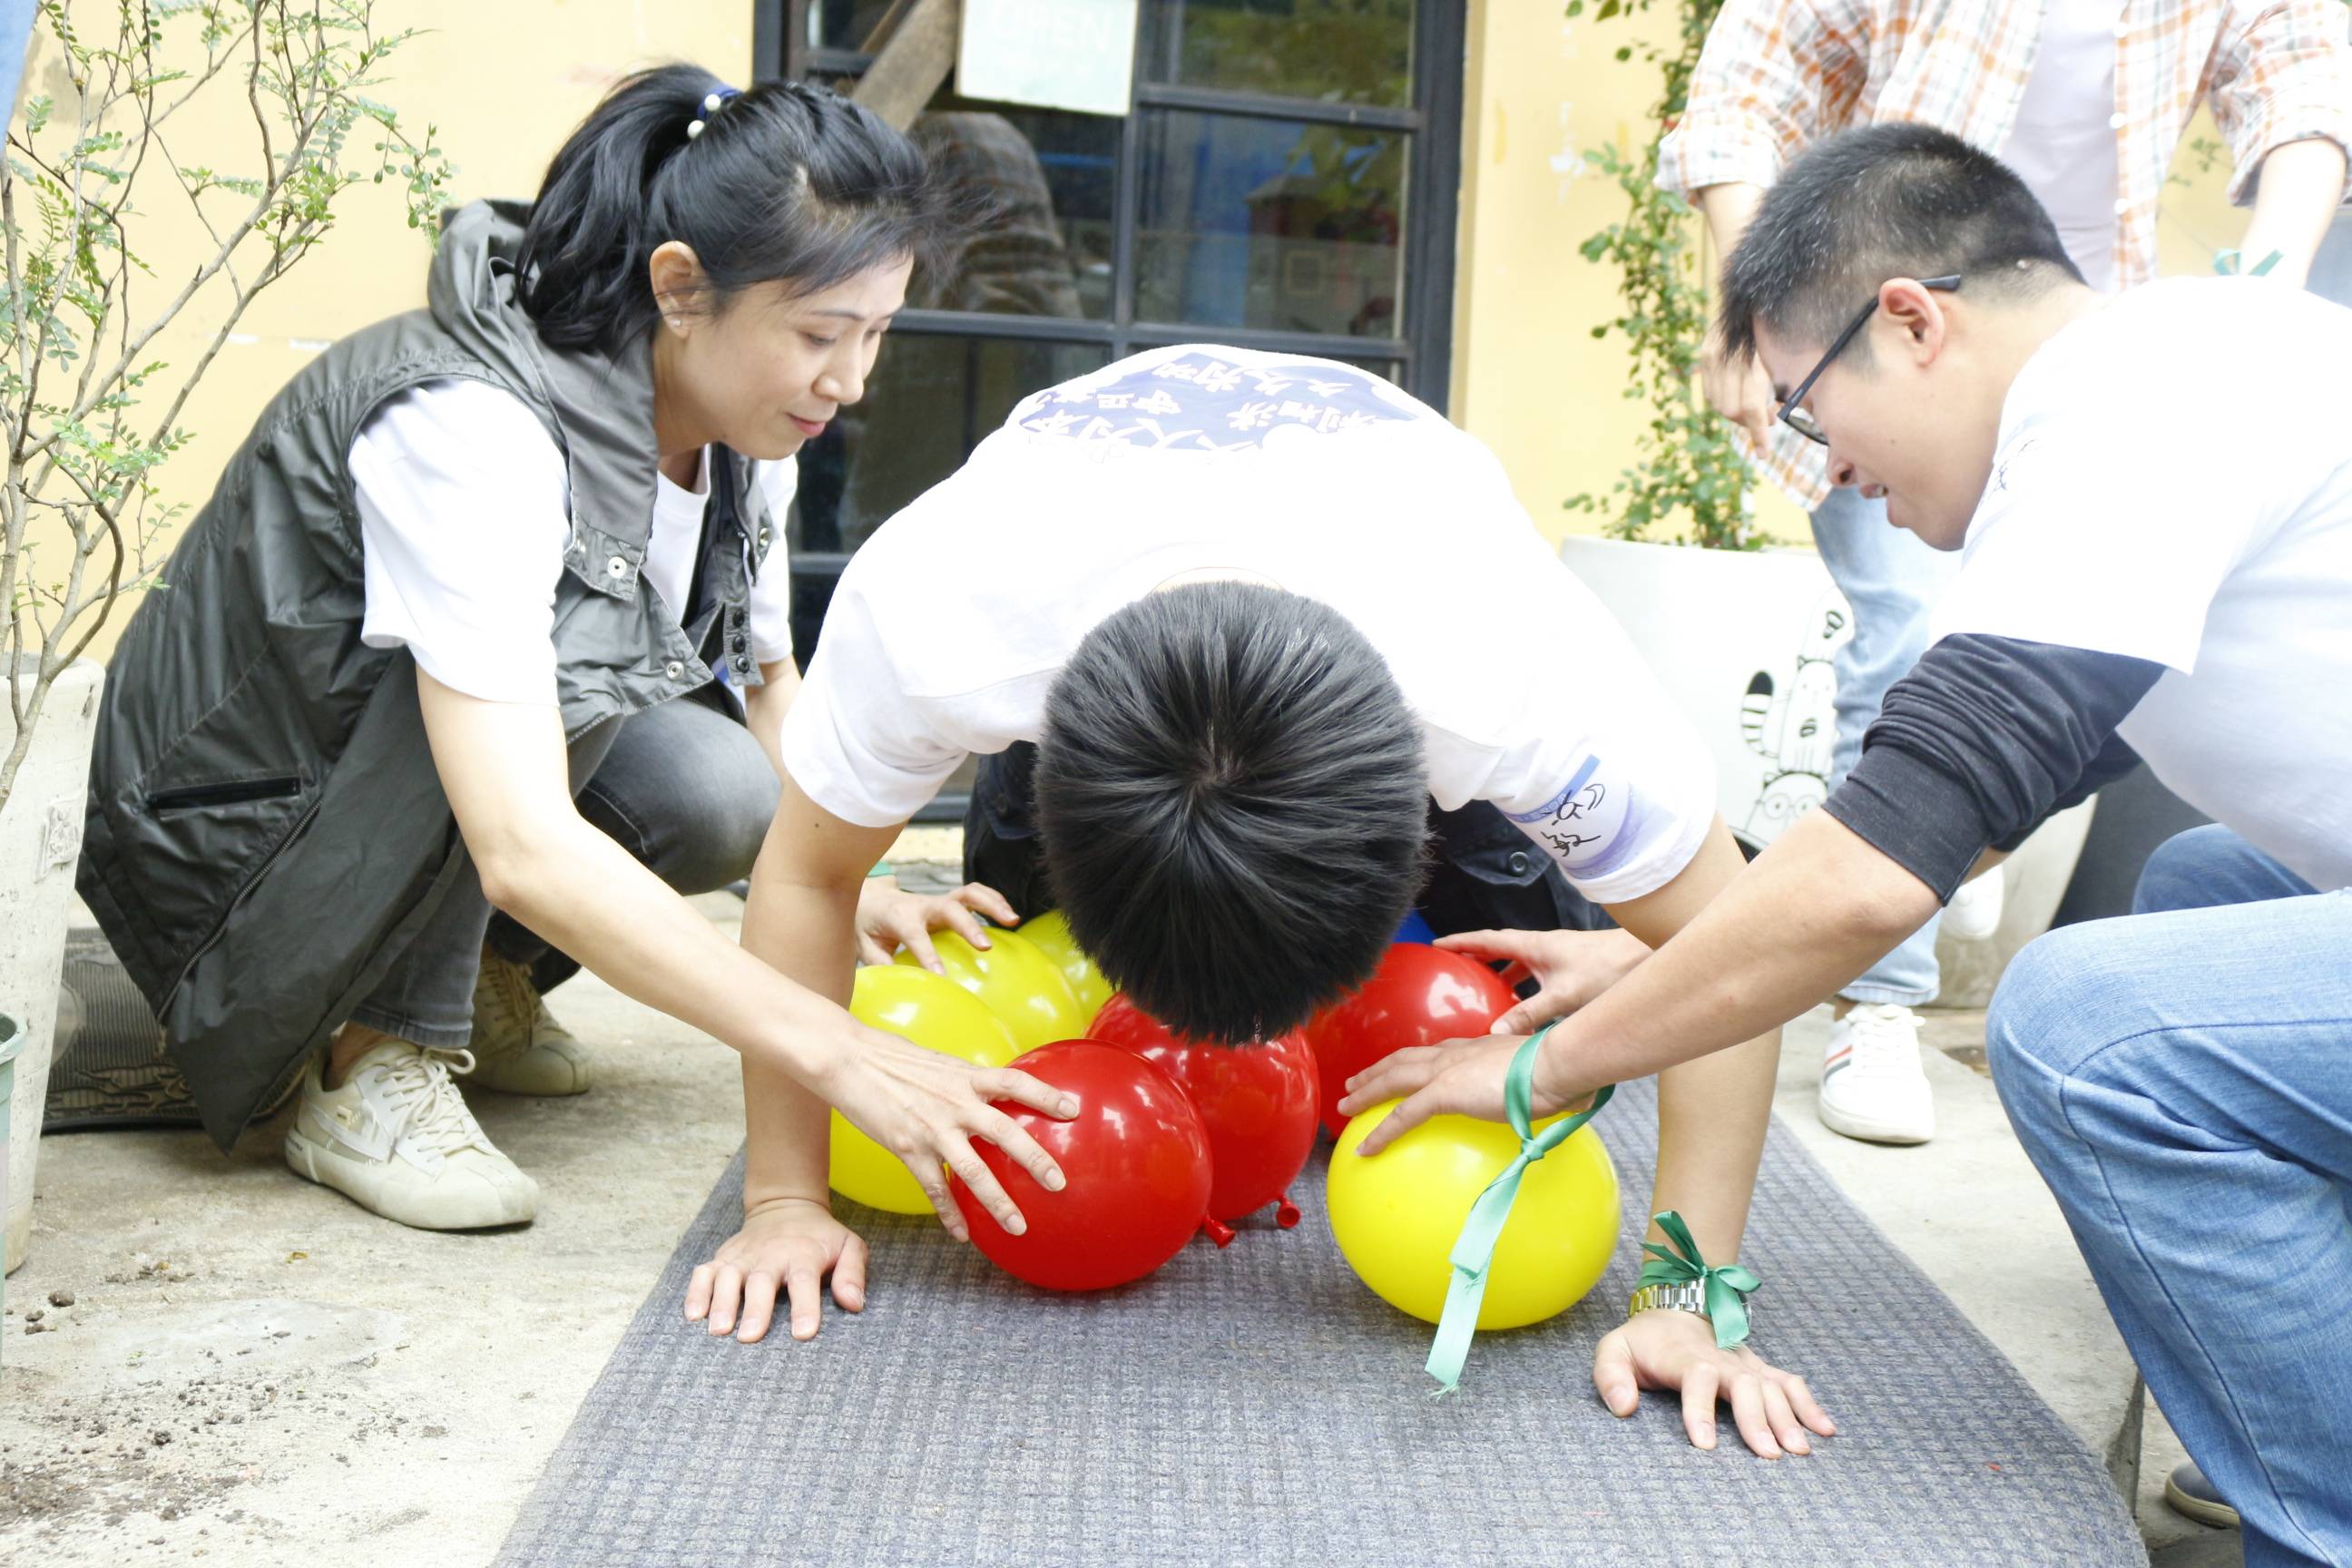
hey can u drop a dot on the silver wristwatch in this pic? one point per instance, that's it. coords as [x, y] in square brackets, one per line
[1689, 1296]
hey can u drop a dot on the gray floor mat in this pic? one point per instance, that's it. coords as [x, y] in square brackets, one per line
[1259, 1406]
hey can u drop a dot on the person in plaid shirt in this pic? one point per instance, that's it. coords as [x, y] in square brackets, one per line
[2087, 101]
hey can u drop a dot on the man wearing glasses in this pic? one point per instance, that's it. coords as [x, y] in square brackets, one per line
[2152, 497]
[2087, 101]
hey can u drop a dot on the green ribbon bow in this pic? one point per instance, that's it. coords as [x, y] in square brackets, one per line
[1474, 1249]
[1725, 1288]
[2232, 263]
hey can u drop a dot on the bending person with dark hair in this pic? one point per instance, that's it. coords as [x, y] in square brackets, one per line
[1254, 612]
[449, 636]
[2152, 496]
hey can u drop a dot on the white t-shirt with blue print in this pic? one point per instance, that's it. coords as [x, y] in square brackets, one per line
[950, 625]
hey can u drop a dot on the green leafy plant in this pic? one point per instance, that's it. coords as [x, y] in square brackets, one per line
[78, 383]
[1685, 469]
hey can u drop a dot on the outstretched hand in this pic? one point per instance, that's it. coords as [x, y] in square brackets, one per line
[1571, 968]
[890, 918]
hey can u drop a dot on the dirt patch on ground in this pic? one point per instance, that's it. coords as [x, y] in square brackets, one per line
[159, 1416]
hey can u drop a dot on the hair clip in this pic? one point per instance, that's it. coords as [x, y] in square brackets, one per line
[712, 104]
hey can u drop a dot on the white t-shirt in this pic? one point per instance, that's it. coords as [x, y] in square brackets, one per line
[2174, 482]
[954, 619]
[2062, 142]
[465, 514]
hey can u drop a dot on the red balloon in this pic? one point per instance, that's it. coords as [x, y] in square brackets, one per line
[1419, 996]
[1258, 1102]
[1138, 1162]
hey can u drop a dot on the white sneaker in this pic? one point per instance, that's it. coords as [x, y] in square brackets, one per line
[1872, 1086]
[1974, 912]
[518, 1048]
[396, 1138]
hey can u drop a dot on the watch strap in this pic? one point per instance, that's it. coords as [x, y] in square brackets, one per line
[1689, 1296]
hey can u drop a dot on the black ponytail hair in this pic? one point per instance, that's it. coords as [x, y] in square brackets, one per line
[785, 182]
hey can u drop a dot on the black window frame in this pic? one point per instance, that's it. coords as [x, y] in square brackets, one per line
[1433, 193]
[1422, 357]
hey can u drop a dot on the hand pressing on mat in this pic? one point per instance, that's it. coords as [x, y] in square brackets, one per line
[1672, 1350]
[1572, 967]
[890, 918]
[786, 1244]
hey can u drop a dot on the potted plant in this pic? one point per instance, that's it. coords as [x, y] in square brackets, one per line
[1740, 632]
[1741, 635]
[91, 412]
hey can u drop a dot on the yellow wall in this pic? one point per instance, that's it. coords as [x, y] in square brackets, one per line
[1528, 377]
[504, 81]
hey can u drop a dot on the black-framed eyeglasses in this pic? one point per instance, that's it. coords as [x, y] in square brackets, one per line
[1803, 423]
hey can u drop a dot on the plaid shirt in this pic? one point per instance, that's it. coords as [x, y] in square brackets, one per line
[1778, 75]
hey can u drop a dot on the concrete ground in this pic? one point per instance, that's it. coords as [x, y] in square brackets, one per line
[253, 1370]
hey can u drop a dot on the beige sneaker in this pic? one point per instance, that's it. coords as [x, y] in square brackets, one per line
[518, 1048]
[395, 1138]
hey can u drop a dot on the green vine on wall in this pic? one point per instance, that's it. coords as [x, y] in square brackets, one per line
[1686, 468]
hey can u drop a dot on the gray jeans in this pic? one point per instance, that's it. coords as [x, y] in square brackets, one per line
[682, 786]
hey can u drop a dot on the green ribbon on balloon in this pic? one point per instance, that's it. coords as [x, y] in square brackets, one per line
[1726, 1289]
[1474, 1249]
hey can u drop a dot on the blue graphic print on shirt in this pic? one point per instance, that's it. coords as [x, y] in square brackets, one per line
[1590, 828]
[1196, 401]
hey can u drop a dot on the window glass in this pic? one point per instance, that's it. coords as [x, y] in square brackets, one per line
[929, 403]
[1280, 225]
[843, 24]
[1037, 186]
[1341, 51]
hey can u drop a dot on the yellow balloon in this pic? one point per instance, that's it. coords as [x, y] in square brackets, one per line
[1049, 934]
[1396, 1215]
[1020, 985]
[936, 1013]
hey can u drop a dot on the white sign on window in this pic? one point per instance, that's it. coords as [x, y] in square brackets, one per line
[1057, 54]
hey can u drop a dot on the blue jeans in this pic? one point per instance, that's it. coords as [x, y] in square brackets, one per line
[1890, 581]
[2182, 1078]
[682, 786]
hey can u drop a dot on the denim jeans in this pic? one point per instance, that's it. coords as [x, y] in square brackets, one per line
[2182, 1078]
[682, 786]
[1890, 581]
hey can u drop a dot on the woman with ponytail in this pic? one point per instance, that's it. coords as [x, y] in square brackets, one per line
[491, 612]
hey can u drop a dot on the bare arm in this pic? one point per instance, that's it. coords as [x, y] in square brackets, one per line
[1740, 389]
[765, 705]
[1816, 909]
[800, 920]
[504, 770]
[787, 1129]
[1712, 1111]
[1729, 208]
[2301, 191]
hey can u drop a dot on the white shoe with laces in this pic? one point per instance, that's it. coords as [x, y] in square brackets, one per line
[1872, 1086]
[518, 1048]
[1974, 912]
[395, 1138]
